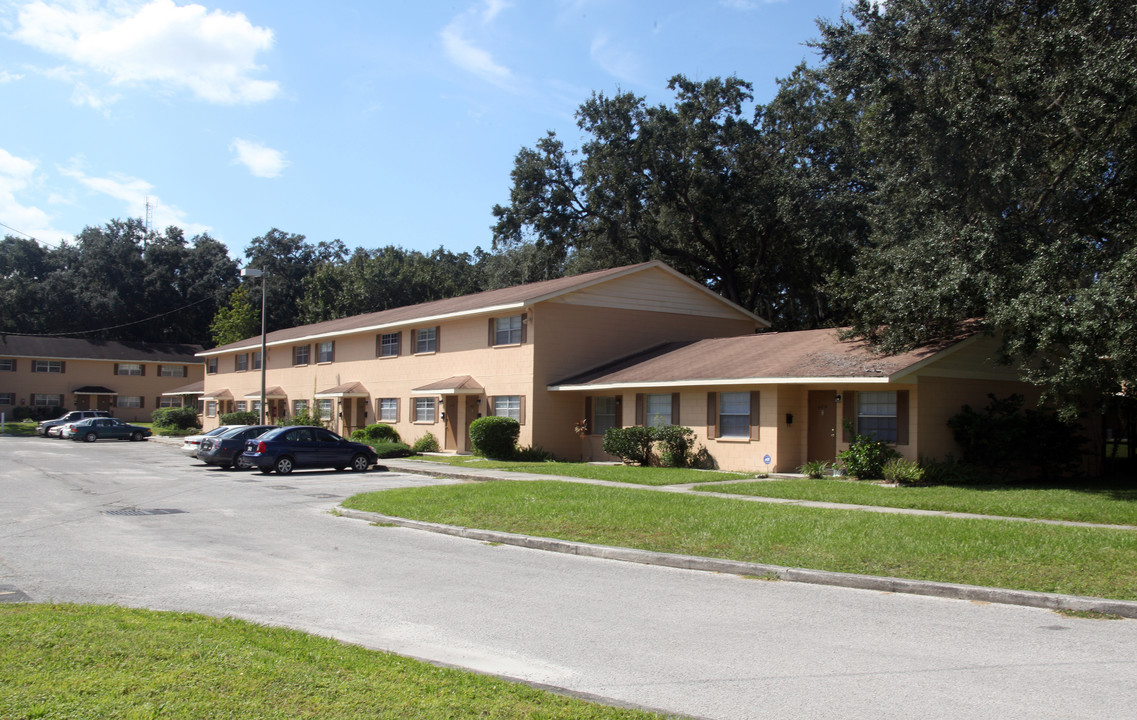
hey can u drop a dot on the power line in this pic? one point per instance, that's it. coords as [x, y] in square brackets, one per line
[21, 232]
[113, 327]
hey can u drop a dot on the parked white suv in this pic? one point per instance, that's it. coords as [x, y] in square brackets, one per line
[67, 417]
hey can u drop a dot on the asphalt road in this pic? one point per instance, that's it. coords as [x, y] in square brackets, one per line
[78, 523]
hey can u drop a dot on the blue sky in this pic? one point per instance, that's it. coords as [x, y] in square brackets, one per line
[377, 123]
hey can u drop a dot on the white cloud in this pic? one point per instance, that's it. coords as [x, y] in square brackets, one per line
[615, 60]
[260, 160]
[7, 77]
[135, 193]
[468, 56]
[18, 175]
[160, 44]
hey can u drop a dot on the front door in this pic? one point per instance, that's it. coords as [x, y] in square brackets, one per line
[83, 402]
[822, 426]
[103, 402]
[471, 416]
[450, 407]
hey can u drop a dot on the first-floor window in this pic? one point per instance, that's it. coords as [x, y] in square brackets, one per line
[48, 366]
[129, 401]
[48, 400]
[389, 409]
[256, 406]
[324, 405]
[169, 402]
[876, 415]
[299, 407]
[7, 398]
[240, 405]
[734, 414]
[657, 409]
[507, 406]
[211, 408]
[424, 410]
[603, 414]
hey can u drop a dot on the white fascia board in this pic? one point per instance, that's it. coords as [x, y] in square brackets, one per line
[718, 382]
[369, 328]
[194, 392]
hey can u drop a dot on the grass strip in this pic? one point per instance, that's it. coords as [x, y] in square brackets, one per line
[75, 662]
[1099, 503]
[614, 473]
[1044, 558]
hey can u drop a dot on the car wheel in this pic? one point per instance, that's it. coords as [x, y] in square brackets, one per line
[283, 465]
[137, 436]
[241, 463]
[360, 463]
[90, 437]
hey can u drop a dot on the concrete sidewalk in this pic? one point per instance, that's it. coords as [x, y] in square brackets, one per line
[974, 593]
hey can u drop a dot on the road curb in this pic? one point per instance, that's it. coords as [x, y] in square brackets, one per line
[954, 591]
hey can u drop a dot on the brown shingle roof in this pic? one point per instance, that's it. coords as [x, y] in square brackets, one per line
[510, 297]
[456, 385]
[801, 355]
[84, 349]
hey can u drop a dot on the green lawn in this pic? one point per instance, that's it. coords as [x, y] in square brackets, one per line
[615, 473]
[20, 428]
[1099, 503]
[75, 662]
[1046, 558]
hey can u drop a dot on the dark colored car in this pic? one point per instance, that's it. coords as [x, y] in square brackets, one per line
[93, 429]
[302, 446]
[68, 417]
[225, 448]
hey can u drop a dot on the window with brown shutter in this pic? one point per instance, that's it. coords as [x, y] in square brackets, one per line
[712, 415]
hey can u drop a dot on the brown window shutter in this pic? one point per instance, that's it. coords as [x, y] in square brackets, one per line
[141, 401]
[414, 342]
[712, 415]
[116, 368]
[848, 414]
[32, 396]
[62, 366]
[493, 333]
[398, 407]
[399, 343]
[901, 417]
[143, 366]
[157, 401]
[588, 415]
[185, 371]
[521, 410]
[333, 350]
[489, 405]
[755, 414]
[158, 372]
[639, 408]
[378, 345]
[675, 409]
[619, 411]
[437, 338]
[524, 325]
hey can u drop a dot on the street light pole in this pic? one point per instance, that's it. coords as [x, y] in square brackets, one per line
[253, 272]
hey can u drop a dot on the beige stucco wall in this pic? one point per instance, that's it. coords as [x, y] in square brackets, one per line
[24, 383]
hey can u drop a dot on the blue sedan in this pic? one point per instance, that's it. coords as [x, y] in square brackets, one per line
[302, 446]
[96, 428]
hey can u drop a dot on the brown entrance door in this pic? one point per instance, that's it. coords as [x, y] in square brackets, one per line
[471, 416]
[822, 426]
[103, 402]
[450, 407]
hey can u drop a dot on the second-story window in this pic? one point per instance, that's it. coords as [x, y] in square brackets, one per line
[426, 340]
[389, 344]
[129, 369]
[327, 352]
[257, 360]
[300, 354]
[211, 366]
[241, 362]
[507, 330]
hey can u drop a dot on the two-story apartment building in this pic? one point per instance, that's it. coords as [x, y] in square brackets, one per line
[128, 379]
[570, 357]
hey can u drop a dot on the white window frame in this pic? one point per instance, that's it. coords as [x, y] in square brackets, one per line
[326, 352]
[426, 340]
[734, 415]
[56, 400]
[239, 406]
[172, 371]
[425, 410]
[507, 406]
[299, 406]
[324, 408]
[7, 365]
[875, 410]
[211, 408]
[653, 414]
[389, 344]
[507, 330]
[134, 369]
[307, 354]
[169, 402]
[130, 401]
[388, 410]
[7, 398]
[603, 418]
[48, 366]
[256, 361]
[211, 366]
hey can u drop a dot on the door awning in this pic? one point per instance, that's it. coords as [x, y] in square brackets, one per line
[347, 390]
[456, 385]
[222, 394]
[272, 393]
[196, 388]
[94, 390]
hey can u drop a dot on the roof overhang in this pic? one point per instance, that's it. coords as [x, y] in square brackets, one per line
[272, 393]
[346, 390]
[223, 394]
[93, 390]
[725, 382]
[456, 385]
[196, 388]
